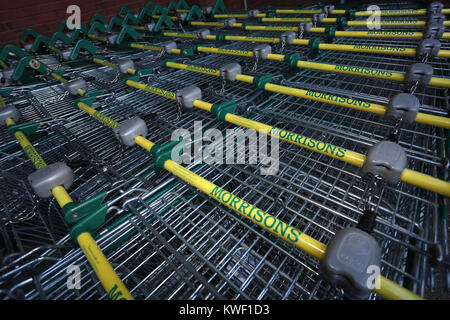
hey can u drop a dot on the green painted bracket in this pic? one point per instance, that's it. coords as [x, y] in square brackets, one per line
[314, 44]
[194, 12]
[133, 78]
[188, 52]
[82, 44]
[40, 40]
[28, 128]
[164, 19]
[164, 63]
[94, 93]
[219, 7]
[124, 10]
[86, 100]
[10, 48]
[130, 17]
[150, 5]
[59, 36]
[261, 81]
[164, 152]
[83, 29]
[115, 21]
[221, 37]
[221, 110]
[5, 92]
[97, 17]
[341, 22]
[27, 62]
[62, 26]
[159, 10]
[171, 6]
[244, 25]
[182, 5]
[28, 33]
[59, 72]
[144, 72]
[292, 59]
[331, 33]
[127, 31]
[350, 14]
[145, 12]
[270, 14]
[88, 215]
[97, 26]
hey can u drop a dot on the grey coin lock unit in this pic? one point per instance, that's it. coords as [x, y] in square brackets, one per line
[202, 33]
[437, 18]
[435, 7]
[288, 37]
[348, 262]
[428, 47]
[9, 111]
[404, 107]
[230, 70]
[45, 179]
[419, 73]
[129, 129]
[188, 95]
[305, 27]
[111, 39]
[169, 46]
[27, 47]
[123, 65]
[253, 13]
[386, 159]
[261, 51]
[328, 10]
[434, 31]
[65, 54]
[208, 10]
[182, 16]
[229, 22]
[73, 85]
[150, 26]
[6, 74]
[318, 17]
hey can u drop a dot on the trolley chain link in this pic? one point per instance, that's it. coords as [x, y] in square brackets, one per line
[283, 44]
[367, 220]
[255, 66]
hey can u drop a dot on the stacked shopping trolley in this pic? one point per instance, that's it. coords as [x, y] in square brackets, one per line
[351, 108]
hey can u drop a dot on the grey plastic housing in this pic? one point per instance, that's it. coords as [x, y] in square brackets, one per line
[404, 107]
[435, 7]
[328, 9]
[229, 22]
[305, 26]
[111, 39]
[150, 26]
[428, 47]
[45, 179]
[65, 54]
[188, 95]
[129, 129]
[386, 159]
[253, 13]
[73, 85]
[6, 74]
[420, 73]
[202, 33]
[348, 260]
[182, 16]
[318, 17]
[288, 37]
[123, 65]
[437, 18]
[168, 46]
[9, 111]
[261, 51]
[434, 31]
[230, 70]
[208, 10]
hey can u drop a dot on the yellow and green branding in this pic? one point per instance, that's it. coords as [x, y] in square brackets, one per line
[161, 92]
[332, 98]
[213, 72]
[34, 156]
[105, 120]
[363, 70]
[378, 48]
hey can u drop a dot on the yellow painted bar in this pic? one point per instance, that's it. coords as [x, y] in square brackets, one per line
[97, 115]
[302, 42]
[180, 35]
[170, 17]
[368, 49]
[54, 49]
[145, 47]
[253, 39]
[154, 90]
[182, 10]
[111, 282]
[288, 11]
[426, 182]
[232, 52]
[3, 64]
[444, 53]
[318, 30]
[275, 57]
[144, 143]
[380, 34]
[105, 63]
[137, 27]
[433, 120]
[285, 19]
[392, 291]
[237, 15]
[392, 13]
[92, 36]
[211, 72]
[244, 78]
[237, 25]
[270, 28]
[211, 37]
[203, 23]
[203, 105]
[261, 218]
[131, 71]
[29, 150]
[58, 77]
[175, 51]
[61, 196]
[439, 82]
[338, 11]
[329, 20]
[387, 23]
